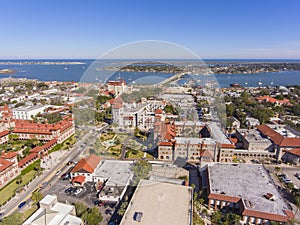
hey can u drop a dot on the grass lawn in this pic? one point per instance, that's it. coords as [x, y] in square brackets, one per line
[122, 137]
[27, 213]
[139, 155]
[72, 140]
[105, 137]
[8, 191]
[115, 150]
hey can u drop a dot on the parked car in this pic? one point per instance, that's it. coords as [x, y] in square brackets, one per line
[69, 190]
[287, 181]
[96, 202]
[78, 191]
[21, 204]
[65, 176]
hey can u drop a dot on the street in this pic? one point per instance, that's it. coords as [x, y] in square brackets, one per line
[47, 176]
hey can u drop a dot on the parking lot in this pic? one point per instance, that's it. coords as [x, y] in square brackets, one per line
[87, 196]
[290, 173]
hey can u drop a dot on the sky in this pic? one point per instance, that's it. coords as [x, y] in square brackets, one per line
[90, 28]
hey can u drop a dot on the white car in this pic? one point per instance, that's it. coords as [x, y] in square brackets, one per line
[57, 172]
[78, 191]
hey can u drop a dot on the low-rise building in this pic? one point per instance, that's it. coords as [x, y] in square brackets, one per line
[156, 202]
[117, 87]
[84, 170]
[44, 132]
[248, 190]
[252, 140]
[53, 212]
[292, 156]
[27, 112]
[8, 167]
[113, 176]
[281, 143]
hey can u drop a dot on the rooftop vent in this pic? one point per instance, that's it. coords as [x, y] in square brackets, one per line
[138, 216]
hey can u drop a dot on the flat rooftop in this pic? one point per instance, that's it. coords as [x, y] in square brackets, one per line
[254, 136]
[168, 171]
[160, 203]
[217, 133]
[249, 182]
[117, 172]
[194, 140]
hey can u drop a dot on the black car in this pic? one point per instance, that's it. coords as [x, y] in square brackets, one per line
[96, 202]
[22, 204]
[69, 190]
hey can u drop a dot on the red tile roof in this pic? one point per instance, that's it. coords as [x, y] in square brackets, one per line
[273, 100]
[224, 197]
[78, 179]
[27, 159]
[267, 216]
[116, 83]
[227, 146]
[87, 165]
[158, 111]
[291, 142]
[9, 155]
[205, 153]
[23, 126]
[4, 133]
[4, 164]
[165, 143]
[295, 151]
[277, 138]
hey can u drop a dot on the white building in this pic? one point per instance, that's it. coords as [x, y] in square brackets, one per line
[118, 87]
[53, 212]
[27, 112]
[116, 176]
[131, 115]
[159, 203]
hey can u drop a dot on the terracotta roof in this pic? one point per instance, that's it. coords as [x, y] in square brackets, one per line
[87, 165]
[227, 146]
[9, 155]
[290, 142]
[295, 151]
[205, 153]
[4, 133]
[224, 197]
[268, 216]
[116, 83]
[272, 134]
[165, 143]
[27, 159]
[158, 111]
[4, 164]
[78, 179]
[23, 126]
[273, 100]
[277, 138]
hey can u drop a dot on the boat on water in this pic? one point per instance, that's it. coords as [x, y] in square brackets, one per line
[259, 83]
[235, 85]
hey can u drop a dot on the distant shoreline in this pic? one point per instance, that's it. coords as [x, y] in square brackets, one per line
[41, 63]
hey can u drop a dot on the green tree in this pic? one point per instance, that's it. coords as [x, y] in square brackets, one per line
[122, 209]
[14, 219]
[80, 208]
[277, 169]
[36, 196]
[141, 170]
[216, 217]
[92, 216]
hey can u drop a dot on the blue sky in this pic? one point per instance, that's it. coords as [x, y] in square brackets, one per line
[87, 29]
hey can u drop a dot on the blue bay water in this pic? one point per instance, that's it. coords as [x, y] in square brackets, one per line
[77, 71]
